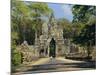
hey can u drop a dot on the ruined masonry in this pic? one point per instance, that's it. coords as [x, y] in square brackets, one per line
[50, 30]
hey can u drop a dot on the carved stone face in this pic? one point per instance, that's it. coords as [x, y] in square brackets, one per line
[44, 28]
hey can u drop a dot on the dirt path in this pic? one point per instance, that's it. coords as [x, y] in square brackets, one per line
[56, 64]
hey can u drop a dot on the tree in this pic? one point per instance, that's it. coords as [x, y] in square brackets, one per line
[87, 37]
[26, 19]
[19, 19]
[86, 16]
[83, 13]
[41, 11]
[67, 27]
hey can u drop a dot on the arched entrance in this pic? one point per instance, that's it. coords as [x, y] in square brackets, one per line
[52, 48]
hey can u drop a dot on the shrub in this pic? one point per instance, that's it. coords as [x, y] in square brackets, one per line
[15, 56]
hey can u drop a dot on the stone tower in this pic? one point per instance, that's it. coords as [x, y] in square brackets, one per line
[50, 30]
[56, 32]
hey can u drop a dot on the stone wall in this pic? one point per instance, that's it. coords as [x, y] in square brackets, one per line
[28, 53]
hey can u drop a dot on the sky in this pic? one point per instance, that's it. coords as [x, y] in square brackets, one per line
[61, 10]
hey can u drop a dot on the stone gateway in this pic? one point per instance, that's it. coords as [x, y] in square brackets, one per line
[51, 42]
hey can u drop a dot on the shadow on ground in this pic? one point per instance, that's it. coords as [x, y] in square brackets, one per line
[90, 65]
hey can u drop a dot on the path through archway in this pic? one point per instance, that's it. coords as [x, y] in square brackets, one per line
[52, 48]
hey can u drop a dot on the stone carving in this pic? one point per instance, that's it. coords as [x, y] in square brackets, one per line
[50, 30]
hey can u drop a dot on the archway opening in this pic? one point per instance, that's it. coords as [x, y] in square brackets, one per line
[52, 52]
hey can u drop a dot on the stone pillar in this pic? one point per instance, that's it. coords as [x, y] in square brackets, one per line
[48, 50]
[56, 49]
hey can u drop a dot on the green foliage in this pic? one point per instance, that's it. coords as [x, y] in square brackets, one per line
[40, 9]
[15, 55]
[86, 16]
[70, 30]
[27, 19]
[76, 28]
[67, 27]
[83, 13]
[16, 58]
[87, 36]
